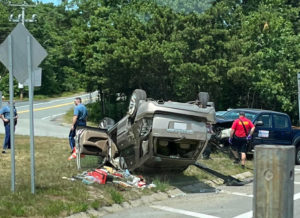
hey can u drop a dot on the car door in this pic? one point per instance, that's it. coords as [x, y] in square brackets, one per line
[282, 129]
[264, 134]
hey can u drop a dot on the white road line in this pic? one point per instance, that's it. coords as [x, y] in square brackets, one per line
[237, 193]
[296, 196]
[297, 183]
[53, 101]
[55, 115]
[245, 215]
[250, 213]
[296, 169]
[183, 212]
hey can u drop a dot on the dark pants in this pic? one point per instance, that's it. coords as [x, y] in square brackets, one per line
[6, 144]
[240, 144]
[72, 135]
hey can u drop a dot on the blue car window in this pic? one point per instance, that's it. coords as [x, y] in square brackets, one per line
[250, 116]
[281, 121]
[231, 115]
[266, 119]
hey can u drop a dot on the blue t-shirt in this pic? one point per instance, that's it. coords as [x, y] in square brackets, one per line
[5, 111]
[81, 112]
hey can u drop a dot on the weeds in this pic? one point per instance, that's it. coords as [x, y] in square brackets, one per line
[161, 185]
[116, 196]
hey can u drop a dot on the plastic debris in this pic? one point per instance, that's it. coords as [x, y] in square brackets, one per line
[88, 180]
[70, 179]
[122, 178]
[109, 169]
[99, 175]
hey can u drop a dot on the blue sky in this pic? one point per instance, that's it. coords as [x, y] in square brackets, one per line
[56, 2]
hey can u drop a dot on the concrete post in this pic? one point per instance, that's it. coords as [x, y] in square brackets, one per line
[274, 181]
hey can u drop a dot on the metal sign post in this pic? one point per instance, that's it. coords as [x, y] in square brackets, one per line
[32, 166]
[18, 52]
[12, 121]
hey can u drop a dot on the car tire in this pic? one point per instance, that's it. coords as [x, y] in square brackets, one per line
[203, 98]
[135, 98]
[298, 155]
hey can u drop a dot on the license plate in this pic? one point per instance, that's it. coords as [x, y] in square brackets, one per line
[181, 126]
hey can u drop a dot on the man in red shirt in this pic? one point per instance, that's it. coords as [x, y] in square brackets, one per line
[241, 131]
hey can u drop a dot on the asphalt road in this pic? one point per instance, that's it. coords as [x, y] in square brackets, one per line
[45, 115]
[228, 202]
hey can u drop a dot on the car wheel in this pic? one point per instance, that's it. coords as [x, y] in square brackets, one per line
[203, 98]
[136, 97]
[298, 155]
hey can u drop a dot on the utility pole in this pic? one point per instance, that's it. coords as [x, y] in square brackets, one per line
[21, 18]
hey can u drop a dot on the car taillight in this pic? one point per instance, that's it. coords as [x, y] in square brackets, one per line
[209, 128]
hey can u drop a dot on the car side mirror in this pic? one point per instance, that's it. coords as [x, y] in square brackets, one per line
[259, 123]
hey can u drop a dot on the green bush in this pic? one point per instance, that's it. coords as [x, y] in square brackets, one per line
[115, 110]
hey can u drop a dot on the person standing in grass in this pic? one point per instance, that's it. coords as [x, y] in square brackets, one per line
[241, 132]
[79, 119]
[5, 116]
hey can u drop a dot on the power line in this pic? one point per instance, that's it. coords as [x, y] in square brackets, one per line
[21, 17]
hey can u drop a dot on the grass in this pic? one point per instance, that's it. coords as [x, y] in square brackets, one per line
[68, 117]
[162, 185]
[54, 195]
[116, 196]
[58, 197]
[51, 97]
[218, 162]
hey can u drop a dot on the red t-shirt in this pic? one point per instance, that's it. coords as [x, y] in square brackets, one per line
[239, 129]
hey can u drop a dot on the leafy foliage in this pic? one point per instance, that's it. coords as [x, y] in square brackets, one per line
[244, 53]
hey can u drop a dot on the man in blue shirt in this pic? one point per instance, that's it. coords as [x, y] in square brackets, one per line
[5, 116]
[79, 119]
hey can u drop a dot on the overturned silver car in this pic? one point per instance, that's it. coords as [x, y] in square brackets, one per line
[154, 135]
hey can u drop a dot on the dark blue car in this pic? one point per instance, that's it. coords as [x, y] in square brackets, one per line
[272, 128]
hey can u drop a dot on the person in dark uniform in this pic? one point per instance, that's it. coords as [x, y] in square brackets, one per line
[79, 119]
[241, 132]
[5, 116]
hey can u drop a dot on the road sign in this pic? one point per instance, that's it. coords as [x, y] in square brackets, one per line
[19, 52]
[37, 78]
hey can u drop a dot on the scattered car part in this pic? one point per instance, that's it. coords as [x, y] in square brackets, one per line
[228, 180]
